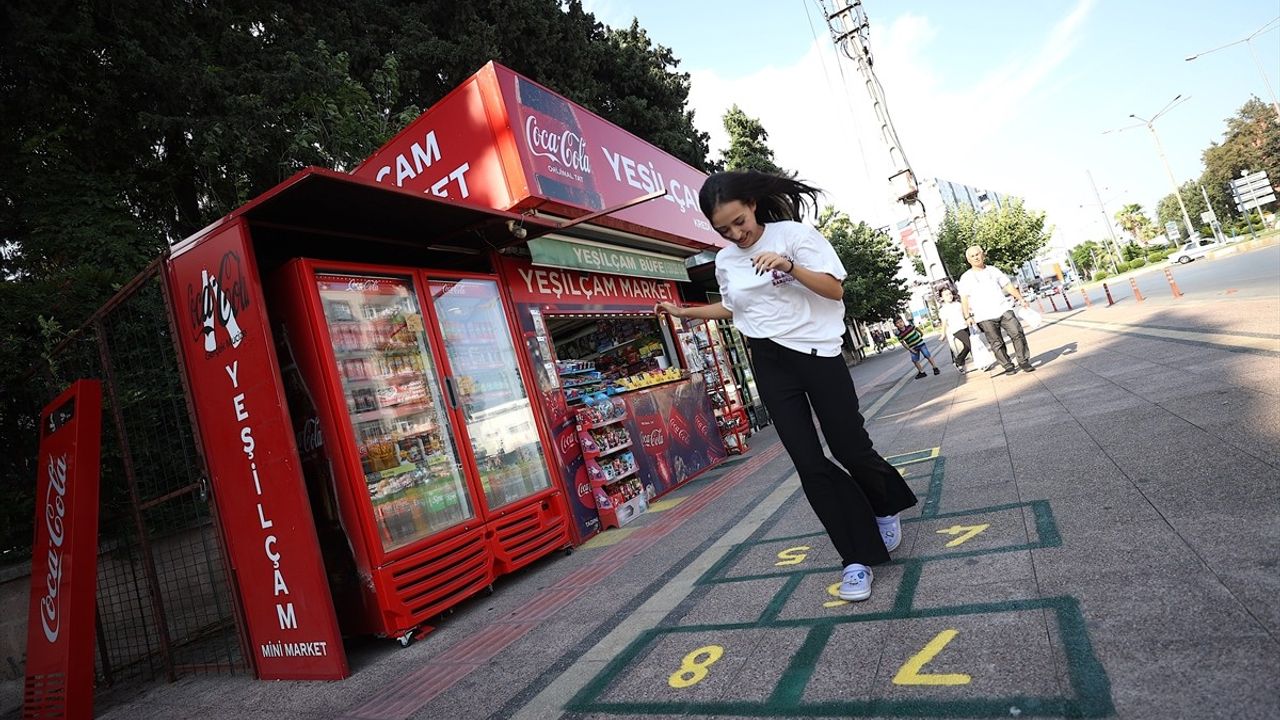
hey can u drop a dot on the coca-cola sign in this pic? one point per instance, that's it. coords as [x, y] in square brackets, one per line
[566, 147]
[60, 610]
[55, 509]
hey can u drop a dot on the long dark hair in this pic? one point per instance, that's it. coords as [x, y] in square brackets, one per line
[776, 197]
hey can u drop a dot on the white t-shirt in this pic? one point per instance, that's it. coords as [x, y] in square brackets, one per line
[775, 305]
[953, 315]
[985, 290]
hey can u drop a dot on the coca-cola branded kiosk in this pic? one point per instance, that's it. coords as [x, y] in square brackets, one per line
[374, 362]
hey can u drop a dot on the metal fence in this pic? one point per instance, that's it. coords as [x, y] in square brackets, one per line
[165, 605]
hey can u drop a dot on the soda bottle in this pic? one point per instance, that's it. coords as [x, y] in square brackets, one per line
[557, 151]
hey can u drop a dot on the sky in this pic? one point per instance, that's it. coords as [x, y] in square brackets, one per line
[1015, 97]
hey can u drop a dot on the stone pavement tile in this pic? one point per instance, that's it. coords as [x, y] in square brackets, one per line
[846, 667]
[815, 598]
[757, 678]
[1113, 507]
[1231, 679]
[188, 711]
[963, 437]
[1243, 553]
[1251, 493]
[1243, 418]
[974, 498]
[1053, 475]
[763, 557]
[1102, 400]
[979, 531]
[1003, 654]
[995, 577]
[731, 602]
[1087, 554]
[973, 469]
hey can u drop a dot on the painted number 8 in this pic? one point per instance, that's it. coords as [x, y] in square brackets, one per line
[692, 671]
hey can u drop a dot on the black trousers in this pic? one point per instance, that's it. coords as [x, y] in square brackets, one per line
[795, 386]
[965, 349]
[1009, 323]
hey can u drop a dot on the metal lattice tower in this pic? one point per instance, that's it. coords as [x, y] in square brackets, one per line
[851, 33]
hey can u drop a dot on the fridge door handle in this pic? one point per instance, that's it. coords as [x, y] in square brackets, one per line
[453, 394]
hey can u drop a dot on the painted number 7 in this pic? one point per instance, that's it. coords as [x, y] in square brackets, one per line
[966, 532]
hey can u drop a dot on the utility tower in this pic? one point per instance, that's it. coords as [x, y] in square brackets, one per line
[851, 32]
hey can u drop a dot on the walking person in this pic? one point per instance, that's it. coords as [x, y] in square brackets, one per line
[982, 297]
[954, 326]
[780, 283]
[913, 340]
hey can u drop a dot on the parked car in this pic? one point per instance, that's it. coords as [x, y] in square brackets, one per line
[1192, 250]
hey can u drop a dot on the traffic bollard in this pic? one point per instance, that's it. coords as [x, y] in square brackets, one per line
[1054, 304]
[1168, 275]
[1107, 290]
[1085, 295]
[1067, 300]
[1137, 294]
[1040, 305]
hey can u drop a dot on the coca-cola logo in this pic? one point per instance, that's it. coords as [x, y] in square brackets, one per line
[654, 438]
[310, 439]
[568, 442]
[566, 147]
[55, 509]
[704, 428]
[679, 428]
[222, 295]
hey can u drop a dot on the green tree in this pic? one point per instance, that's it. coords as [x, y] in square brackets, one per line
[1168, 210]
[1251, 143]
[748, 144]
[1091, 256]
[1133, 220]
[872, 290]
[1010, 234]
[129, 125]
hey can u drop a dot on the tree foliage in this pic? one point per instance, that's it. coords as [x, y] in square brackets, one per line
[1133, 219]
[1168, 210]
[748, 144]
[1250, 143]
[129, 125]
[1010, 234]
[872, 290]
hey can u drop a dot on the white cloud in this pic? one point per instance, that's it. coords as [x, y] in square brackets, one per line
[823, 124]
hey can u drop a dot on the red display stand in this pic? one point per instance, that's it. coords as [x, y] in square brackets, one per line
[608, 451]
[704, 351]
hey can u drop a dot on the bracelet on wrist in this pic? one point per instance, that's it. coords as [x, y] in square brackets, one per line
[792, 268]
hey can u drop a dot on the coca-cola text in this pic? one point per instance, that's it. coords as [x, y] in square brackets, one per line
[55, 509]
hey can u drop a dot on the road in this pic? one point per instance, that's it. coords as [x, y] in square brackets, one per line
[1249, 274]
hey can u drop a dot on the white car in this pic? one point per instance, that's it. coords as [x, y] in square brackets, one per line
[1192, 250]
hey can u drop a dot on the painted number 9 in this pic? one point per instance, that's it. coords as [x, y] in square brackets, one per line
[692, 670]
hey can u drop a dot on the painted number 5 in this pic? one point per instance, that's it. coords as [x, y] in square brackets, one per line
[692, 670]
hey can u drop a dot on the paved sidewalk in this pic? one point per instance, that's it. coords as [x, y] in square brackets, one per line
[1095, 539]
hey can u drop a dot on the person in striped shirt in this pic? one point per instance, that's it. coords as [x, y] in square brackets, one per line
[913, 340]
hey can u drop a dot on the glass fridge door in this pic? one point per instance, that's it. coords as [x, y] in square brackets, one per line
[410, 460]
[491, 394]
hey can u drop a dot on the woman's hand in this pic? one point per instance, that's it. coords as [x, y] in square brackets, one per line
[767, 261]
[669, 308]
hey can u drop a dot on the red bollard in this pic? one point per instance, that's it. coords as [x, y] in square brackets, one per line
[1054, 304]
[1168, 275]
[1107, 290]
[1085, 295]
[1137, 294]
[1067, 300]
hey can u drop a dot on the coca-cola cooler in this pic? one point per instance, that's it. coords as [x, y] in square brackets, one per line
[420, 446]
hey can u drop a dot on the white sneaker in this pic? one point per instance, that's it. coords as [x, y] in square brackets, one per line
[856, 583]
[890, 532]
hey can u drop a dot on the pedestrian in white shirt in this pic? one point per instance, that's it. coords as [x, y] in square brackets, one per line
[954, 325]
[780, 281]
[982, 297]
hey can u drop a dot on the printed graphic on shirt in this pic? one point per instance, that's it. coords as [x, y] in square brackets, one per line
[781, 278]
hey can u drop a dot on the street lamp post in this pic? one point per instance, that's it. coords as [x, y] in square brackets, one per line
[1275, 104]
[1150, 125]
[1106, 219]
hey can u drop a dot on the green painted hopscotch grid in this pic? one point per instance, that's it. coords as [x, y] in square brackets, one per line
[1089, 682]
[1047, 536]
[1090, 686]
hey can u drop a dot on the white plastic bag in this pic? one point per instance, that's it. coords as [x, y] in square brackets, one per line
[983, 358]
[1029, 318]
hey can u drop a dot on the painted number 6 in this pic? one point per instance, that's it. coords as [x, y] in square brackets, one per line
[692, 670]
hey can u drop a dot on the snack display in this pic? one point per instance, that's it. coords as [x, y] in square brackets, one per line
[610, 462]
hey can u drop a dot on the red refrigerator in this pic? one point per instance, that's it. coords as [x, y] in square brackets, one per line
[433, 468]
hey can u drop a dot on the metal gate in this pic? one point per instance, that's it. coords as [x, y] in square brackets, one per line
[165, 605]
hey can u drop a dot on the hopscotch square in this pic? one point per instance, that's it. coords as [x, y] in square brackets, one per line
[760, 559]
[743, 601]
[814, 597]
[638, 680]
[1006, 531]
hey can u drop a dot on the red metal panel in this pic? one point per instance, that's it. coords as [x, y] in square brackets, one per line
[239, 403]
[64, 566]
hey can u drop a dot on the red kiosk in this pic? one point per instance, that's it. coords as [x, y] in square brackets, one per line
[375, 362]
